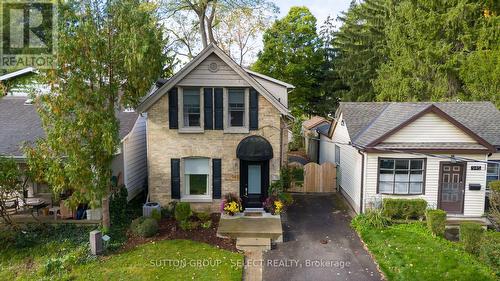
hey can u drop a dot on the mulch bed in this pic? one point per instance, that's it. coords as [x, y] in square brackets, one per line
[169, 230]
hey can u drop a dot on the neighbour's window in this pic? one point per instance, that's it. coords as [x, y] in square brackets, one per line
[196, 176]
[337, 155]
[236, 107]
[191, 107]
[401, 176]
[493, 173]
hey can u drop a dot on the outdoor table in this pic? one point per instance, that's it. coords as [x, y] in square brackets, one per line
[35, 204]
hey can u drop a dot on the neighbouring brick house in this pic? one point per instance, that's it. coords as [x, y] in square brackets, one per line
[215, 128]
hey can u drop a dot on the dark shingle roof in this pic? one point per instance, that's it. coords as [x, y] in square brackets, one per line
[323, 129]
[368, 121]
[20, 123]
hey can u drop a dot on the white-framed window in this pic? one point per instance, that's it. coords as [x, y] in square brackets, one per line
[493, 172]
[196, 183]
[191, 107]
[401, 176]
[236, 110]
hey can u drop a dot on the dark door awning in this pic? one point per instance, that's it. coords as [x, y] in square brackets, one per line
[254, 148]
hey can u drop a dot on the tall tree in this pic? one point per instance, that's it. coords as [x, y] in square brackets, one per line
[361, 47]
[293, 53]
[428, 41]
[109, 55]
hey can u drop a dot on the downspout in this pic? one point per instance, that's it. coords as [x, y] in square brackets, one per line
[362, 180]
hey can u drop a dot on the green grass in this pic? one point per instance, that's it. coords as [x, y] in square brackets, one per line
[410, 252]
[156, 261]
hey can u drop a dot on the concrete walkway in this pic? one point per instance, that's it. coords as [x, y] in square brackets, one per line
[319, 244]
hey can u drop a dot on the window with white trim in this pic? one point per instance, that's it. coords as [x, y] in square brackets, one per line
[196, 176]
[236, 107]
[191, 101]
[401, 176]
[493, 172]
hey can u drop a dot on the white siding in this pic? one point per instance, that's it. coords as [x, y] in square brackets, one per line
[349, 170]
[135, 158]
[494, 156]
[202, 76]
[327, 150]
[430, 128]
[280, 92]
[474, 200]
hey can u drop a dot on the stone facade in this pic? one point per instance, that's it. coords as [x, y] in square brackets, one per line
[165, 144]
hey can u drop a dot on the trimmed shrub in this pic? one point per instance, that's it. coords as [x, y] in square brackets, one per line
[489, 251]
[436, 221]
[286, 198]
[404, 208]
[182, 211]
[471, 234]
[144, 227]
[118, 207]
[203, 216]
[188, 225]
[155, 214]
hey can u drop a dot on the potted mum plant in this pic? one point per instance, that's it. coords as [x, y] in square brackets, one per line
[231, 204]
[273, 205]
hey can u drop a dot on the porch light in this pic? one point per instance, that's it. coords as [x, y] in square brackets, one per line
[453, 159]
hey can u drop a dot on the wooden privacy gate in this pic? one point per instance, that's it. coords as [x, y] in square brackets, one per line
[318, 178]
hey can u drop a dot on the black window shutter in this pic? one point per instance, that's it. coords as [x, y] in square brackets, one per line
[219, 109]
[176, 178]
[209, 108]
[172, 109]
[254, 109]
[217, 176]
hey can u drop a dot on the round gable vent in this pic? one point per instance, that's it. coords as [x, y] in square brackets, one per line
[214, 67]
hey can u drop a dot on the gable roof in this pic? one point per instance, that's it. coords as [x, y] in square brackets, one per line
[17, 73]
[313, 122]
[368, 123]
[152, 98]
[323, 129]
[20, 122]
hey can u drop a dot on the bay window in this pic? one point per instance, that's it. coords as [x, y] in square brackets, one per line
[401, 176]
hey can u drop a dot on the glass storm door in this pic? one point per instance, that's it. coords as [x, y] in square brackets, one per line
[254, 178]
[452, 187]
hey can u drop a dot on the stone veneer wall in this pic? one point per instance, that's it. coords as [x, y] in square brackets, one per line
[164, 144]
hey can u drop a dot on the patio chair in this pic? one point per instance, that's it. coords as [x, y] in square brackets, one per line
[12, 205]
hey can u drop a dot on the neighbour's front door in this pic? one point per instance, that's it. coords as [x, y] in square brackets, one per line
[254, 181]
[452, 187]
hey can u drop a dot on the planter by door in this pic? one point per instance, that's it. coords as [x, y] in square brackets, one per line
[452, 187]
[254, 153]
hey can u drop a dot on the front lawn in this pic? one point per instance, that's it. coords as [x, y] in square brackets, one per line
[165, 260]
[410, 252]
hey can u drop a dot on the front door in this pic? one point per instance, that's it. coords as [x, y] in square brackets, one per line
[452, 187]
[254, 182]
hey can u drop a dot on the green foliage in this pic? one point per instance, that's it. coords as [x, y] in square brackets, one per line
[203, 216]
[182, 211]
[118, 207]
[471, 235]
[372, 218]
[297, 138]
[58, 266]
[275, 188]
[155, 214]
[206, 224]
[290, 175]
[10, 185]
[97, 72]
[489, 250]
[361, 47]
[404, 208]
[188, 225]
[292, 53]
[286, 198]
[144, 227]
[410, 252]
[436, 221]
[495, 202]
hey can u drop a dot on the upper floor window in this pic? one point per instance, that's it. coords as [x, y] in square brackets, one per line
[236, 107]
[191, 107]
[401, 176]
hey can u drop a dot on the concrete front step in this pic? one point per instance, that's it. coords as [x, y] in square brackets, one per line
[251, 227]
[253, 243]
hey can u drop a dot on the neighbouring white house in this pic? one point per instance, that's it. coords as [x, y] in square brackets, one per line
[20, 123]
[442, 152]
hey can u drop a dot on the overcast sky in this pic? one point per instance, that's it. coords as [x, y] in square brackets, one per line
[321, 9]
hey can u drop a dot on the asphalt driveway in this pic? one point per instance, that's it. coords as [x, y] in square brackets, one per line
[319, 244]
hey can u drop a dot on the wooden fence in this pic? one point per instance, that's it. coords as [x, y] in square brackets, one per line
[317, 178]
